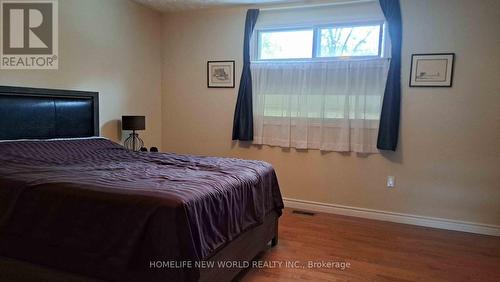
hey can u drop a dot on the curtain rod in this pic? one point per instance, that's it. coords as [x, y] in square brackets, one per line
[316, 5]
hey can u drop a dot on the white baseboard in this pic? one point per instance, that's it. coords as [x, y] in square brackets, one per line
[441, 223]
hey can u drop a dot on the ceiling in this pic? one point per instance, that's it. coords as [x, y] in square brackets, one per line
[178, 5]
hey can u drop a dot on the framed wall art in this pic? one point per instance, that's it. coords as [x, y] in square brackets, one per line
[220, 74]
[432, 70]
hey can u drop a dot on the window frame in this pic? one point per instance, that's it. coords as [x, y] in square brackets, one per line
[316, 29]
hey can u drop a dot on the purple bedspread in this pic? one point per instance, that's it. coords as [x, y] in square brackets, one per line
[92, 207]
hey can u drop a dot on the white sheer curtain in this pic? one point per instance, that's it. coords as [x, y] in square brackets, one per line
[327, 105]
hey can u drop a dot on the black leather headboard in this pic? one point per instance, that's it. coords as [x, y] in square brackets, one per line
[35, 113]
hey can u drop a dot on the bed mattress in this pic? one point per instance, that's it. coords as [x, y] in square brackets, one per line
[90, 206]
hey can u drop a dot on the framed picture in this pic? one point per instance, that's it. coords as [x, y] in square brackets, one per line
[432, 70]
[220, 74]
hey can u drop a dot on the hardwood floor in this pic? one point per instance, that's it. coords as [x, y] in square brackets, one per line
[376, 251]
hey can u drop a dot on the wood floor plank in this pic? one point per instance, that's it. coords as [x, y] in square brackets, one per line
[377, 251]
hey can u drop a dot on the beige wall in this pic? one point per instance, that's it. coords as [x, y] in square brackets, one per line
[112, 47]
[448, 161]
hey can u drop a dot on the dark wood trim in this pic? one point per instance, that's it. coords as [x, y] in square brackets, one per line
[274, 241]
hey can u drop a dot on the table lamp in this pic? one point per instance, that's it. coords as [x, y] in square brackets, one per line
[133, 142]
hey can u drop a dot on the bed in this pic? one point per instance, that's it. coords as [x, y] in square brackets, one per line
[73, 204]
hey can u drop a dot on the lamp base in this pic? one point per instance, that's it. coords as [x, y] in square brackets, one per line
[133, 142]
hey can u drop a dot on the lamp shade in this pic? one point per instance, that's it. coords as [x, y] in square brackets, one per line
[133, 122]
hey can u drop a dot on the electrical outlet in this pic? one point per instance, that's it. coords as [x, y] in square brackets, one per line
[390, 181]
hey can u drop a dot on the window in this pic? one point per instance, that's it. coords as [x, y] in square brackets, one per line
[350, 41]
[330, 41]
[285, 44]
[319, 87]
[318, 77]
